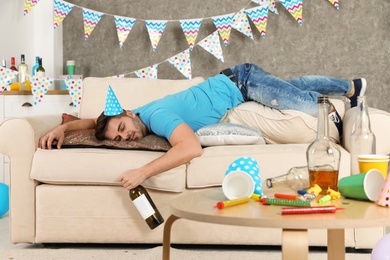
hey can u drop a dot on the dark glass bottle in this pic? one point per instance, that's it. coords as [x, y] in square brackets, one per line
[145, 206]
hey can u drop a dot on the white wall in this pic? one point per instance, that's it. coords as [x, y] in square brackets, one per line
[32, 35]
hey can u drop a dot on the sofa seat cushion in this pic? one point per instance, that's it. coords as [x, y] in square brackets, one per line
[93, 166]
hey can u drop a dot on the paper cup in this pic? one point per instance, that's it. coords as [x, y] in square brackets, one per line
[237, 185]
[71, 65]
[365, 186]
[373, 161]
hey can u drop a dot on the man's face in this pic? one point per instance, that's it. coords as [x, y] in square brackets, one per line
[124, 128]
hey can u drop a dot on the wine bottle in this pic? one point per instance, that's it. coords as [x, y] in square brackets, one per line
[40, 70]
[13, 64]
[35, 67]
[145, 206]
[22, 76]
[14, 84]
[4, 63]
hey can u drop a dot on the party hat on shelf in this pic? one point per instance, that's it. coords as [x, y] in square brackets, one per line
[384, 195]
[113, 108]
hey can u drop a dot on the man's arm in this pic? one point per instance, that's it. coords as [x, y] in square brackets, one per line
[185, 147]
[58, 133]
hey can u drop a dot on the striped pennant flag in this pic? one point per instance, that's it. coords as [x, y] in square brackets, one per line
[212, 44]
[91, 19]
[224, 24]
[270, 3]
[123, 27]
[241, 24]
[60, 11]
[39, 87]
[75, 87]
[155, 30]
[148, 72]
[28, 5]
[182, 63]
[259, 17]
[294, 7]
[191, 29]
[335, 3]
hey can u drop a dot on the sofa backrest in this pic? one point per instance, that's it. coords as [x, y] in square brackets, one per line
[131, 92]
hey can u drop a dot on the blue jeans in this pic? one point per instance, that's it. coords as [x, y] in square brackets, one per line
[297, 93]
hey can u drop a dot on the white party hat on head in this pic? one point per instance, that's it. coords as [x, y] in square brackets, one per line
[113, 108]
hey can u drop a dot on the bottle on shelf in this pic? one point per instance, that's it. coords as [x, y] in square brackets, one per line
[362, 138]
[296, 178]
[145, 206]
[323, 155]
[13, 64]
[22, 76]
[35, 67]
[14, 85]
[40, 72]
[3, 63]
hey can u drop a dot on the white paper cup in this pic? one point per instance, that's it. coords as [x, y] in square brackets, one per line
[237, 184]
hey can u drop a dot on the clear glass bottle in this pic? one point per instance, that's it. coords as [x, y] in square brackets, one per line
[40, 70]
[323, 155]
[145, 206]
[35, 67]
[296, 178]
[22, 76]
[3, 63]
[362, 138]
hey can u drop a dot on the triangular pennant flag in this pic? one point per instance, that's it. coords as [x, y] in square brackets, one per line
[148, 72]
[335, 3]
[120, 76]
[270, 3]
[91, 19]
[3, 86]
[259, 17]
[191, 29]
[212, 45]
[60, 11]
[75, 87]
[224, 24]
[155, 30]
[123, 27]
[39, 88]
[294, 7]
[241, 24]
[28, 5]
[182, 63]
[6, 75]
[113, 108]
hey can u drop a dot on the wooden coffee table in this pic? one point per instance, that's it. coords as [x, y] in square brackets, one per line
[199, 206]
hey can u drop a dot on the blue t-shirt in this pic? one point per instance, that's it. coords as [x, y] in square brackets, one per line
[198, 106]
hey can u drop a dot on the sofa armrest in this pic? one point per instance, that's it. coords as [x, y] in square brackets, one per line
[380, 124]
[19, 140]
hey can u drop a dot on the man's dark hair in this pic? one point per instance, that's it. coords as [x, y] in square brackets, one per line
[101, 124]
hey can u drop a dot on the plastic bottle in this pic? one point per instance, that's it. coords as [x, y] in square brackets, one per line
[296, 178]
[145, 206]
[362, 138]
[323, 155]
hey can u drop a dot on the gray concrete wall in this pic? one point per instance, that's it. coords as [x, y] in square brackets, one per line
[351, 42]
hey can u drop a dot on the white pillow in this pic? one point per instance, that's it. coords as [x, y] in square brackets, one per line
[228, 134]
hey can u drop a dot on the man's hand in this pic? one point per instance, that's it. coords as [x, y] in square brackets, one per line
[55, 135]
[132, 178]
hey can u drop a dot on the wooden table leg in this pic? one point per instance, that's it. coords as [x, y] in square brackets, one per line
[167, 237]
[336, 244]
[295, 244]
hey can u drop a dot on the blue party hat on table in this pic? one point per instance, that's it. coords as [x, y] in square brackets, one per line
[113, 108]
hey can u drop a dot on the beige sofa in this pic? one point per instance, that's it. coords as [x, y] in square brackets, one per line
[73, 196]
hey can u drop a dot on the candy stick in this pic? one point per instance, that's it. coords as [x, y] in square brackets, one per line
[310, 210]
[229, 203]
[282, 202]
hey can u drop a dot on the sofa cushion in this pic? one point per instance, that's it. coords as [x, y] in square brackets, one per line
[101, 167]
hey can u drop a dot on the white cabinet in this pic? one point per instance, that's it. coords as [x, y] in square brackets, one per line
[21, 104]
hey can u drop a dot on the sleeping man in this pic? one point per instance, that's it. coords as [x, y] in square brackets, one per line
[176, 117]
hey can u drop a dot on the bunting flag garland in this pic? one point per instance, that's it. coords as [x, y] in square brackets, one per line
[60, 11]
[6, 76]
[259, 17]
[270, 3]
[120, 76]
[212, 44]
[39, 87]
[224, 24]
[28, 5]
[91, 19]
[75, 87]
[182, 63]
[155, 30]
[191, 29]
[241, 24]
[123, 27]
[335, 3]
[294, 7]
[148, 72]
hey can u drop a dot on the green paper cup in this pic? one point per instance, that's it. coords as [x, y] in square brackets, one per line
[364, 186]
